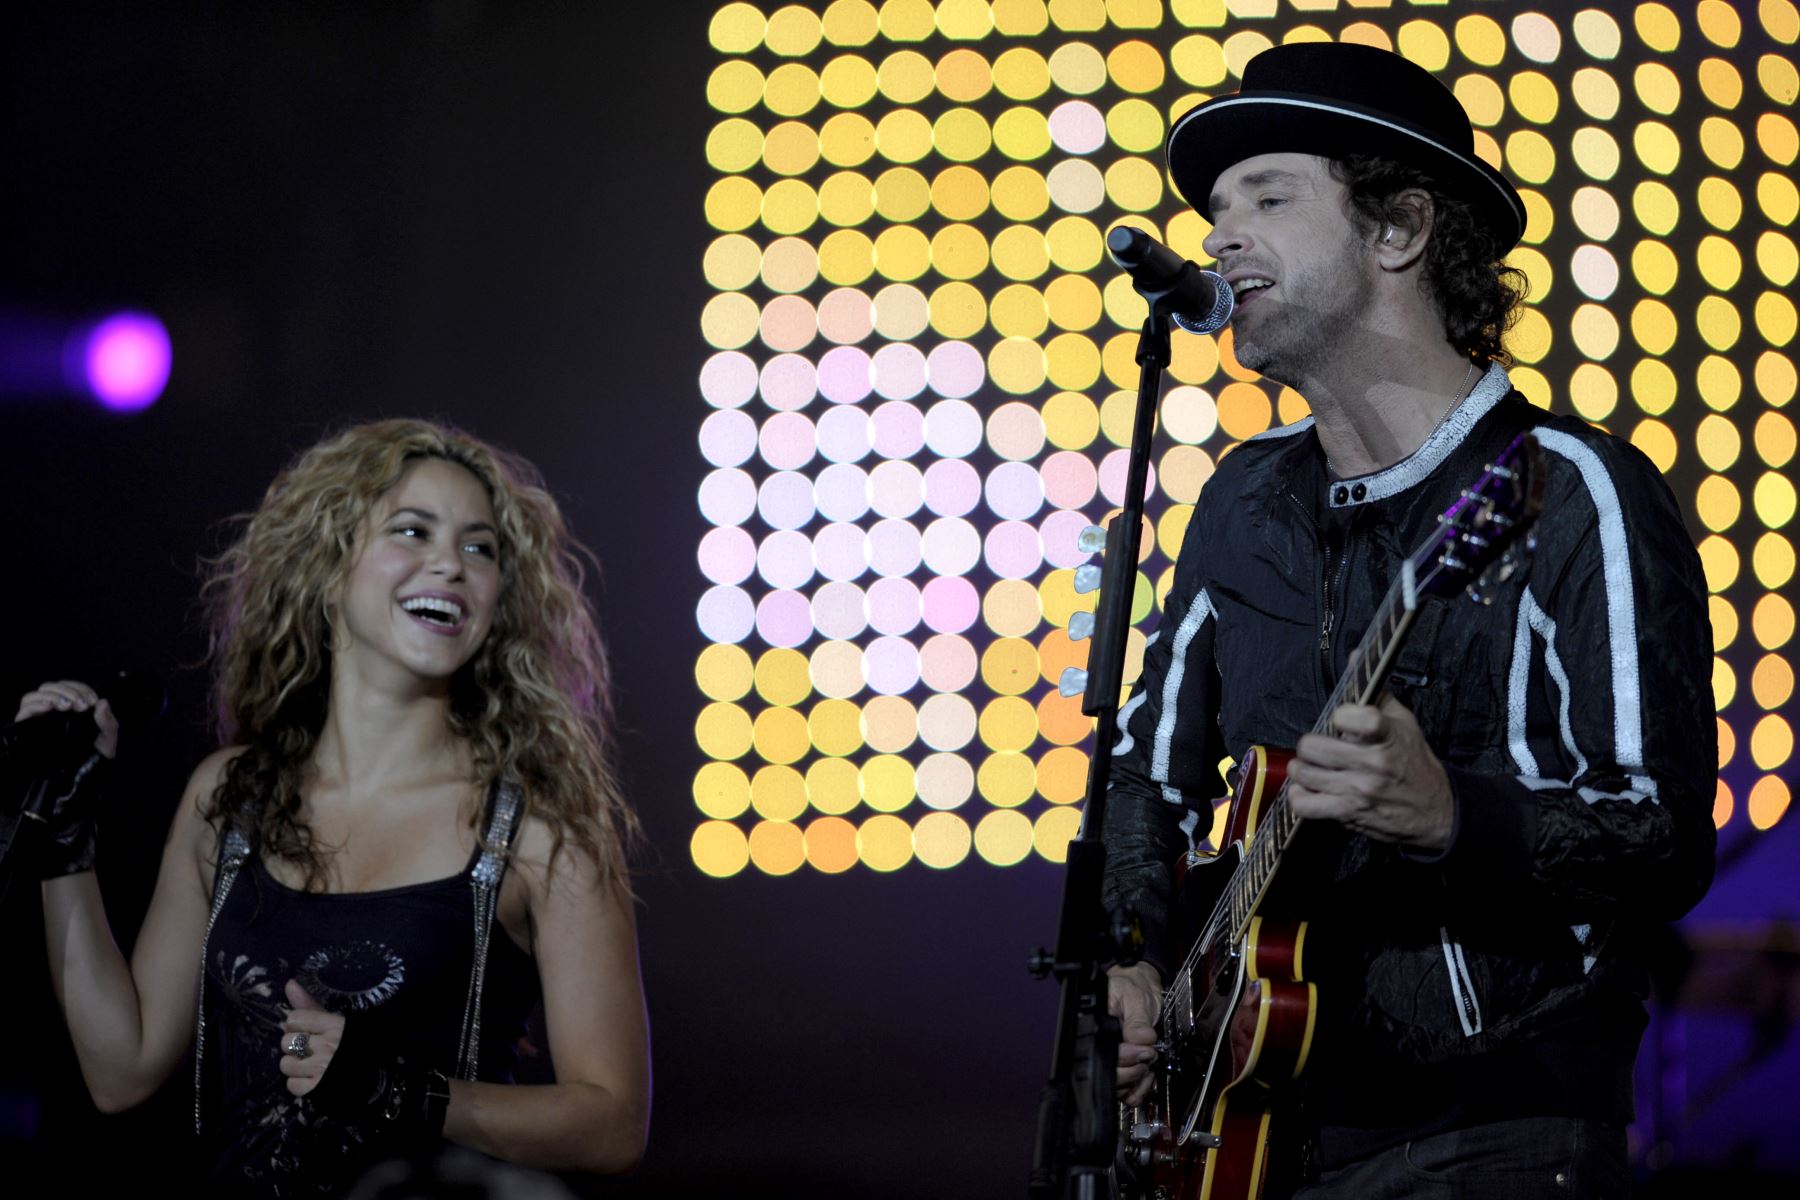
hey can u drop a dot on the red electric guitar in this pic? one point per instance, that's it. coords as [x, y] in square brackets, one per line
[1238, 1016]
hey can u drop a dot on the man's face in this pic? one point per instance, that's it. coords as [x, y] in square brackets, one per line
[1302, 272]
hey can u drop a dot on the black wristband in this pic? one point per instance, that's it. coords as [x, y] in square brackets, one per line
[60, 807]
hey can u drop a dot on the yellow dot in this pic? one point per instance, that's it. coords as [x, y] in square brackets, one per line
[1074, 244]
[1724, 683]
[1720, 263]
[789, 265]
[1533, 97]
[1717, 503]
[1009, 666]
[850, 23]
[1022, 133]
[846, 257]
[778, 793]
[901, 194]
[1243, 46]
[723, 731]
[1595, 152]
[887, 783]
[1118, 413]
[719, 849]
[1597, 33]
[1772, 682]
[1021, 74]
[1722, 142]
[1774, 499]
[833, 785]
[846, 198]
[1530, 338]
[791, 90]
[781, 736]
[1656, 207]
[961, 135]
[848, 81]
[1725, 629]
[1778, 77]
[1718, 321]
[959, 252]
[1019, 310]
[1719, 561]
[1199, 60]
[1074, 301]
[1655, 266]
[1772, 621]
[1720, 204]
[1719, 382]
[906, 77]
[903, 136]
[736, 29]
[1077, 68]
[1017, 365]
[1072, 361]
[1768, 801]
[902, 253]
[1007, 779]
[1657, 146]
[1717, 442]
[1481, 40]
[1777, 137]
[1003, 838]
[1008, 723]
[958, 310]
[1020, 194]
[964, 19]
[734, 87]
[1482, 98]
[1054, 831]
[1720, 83]
[1771, 742]
[733, 203]
[777, 847]
[1776, 258]
[941, 840]
[1533, 385]
[1657, 88]
[1775, 439]
[885, 843]
[836, 727]
[1776, 318]
[1775, 378]
[790, 206]
[1135, 125]
[1593, 391]
[1531, 155]
[721, 791]
[1070, 421]
[1653, 326]
[959, 193]
[1134, 184]
[1659, 28]
[1719, 22]
[1596, 93]
[724, 672]
[1773, 560]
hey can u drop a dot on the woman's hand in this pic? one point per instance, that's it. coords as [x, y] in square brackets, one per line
[71, 695]
[323, 1031]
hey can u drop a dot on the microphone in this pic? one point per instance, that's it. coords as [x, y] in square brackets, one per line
[135, 696]
[1198, 301]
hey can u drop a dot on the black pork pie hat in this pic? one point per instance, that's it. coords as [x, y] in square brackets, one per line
[1334, 99]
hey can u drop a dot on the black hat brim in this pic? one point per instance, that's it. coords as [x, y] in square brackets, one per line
[1221, 133]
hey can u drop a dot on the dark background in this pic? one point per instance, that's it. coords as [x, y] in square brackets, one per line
[489, 213]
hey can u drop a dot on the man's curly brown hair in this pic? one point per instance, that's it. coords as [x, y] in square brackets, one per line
[1474, 290]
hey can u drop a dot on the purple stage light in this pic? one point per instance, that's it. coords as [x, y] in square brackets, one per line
[125, 361]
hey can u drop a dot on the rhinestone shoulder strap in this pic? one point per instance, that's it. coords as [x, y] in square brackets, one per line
[234, 852]
[484, 882]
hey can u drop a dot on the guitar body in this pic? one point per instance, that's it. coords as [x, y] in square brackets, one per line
[1245, 1032]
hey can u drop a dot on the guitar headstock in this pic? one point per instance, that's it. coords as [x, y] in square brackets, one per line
[1481, 538]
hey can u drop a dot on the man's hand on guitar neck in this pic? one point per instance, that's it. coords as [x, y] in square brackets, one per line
[1134, 995]
[1377, 776]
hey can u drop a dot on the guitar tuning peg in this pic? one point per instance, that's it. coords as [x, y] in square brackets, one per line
[1087, 579]
[1073, 681]
[1091, 540]
[1081, 625]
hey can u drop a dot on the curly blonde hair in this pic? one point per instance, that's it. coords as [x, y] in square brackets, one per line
[533, 705]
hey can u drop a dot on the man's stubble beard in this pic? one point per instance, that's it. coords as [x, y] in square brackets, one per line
[1294, 342]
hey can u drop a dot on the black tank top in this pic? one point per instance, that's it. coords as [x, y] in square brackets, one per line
[397, 960]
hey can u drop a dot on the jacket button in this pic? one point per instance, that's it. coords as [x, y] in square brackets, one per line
[1359, 491]
[1340, 496]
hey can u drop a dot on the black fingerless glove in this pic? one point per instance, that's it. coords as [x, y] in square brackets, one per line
[406, 1100]
[63, 802]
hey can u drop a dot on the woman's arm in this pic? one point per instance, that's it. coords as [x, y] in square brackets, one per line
[131, 1022]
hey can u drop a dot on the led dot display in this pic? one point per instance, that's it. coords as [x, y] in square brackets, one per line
[918, 377]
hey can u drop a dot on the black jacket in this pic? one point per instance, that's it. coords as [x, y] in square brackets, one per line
[1574, 716]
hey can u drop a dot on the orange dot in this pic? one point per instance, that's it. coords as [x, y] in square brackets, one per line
[1721, 805]
[1056, 653]
[831, 845]
[1768, 802]
[1062, 775]
[1727, 742]
[1244, 410]
[1061, 720]
[1228, 359]
[777, 847]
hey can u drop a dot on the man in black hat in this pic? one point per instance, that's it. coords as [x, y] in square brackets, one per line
[1480, 849]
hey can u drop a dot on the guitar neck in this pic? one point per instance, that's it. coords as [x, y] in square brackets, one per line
[1362, 683]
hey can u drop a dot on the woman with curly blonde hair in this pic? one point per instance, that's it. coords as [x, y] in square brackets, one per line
[413, 835]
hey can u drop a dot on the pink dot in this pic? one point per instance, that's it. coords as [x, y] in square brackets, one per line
[952, 487]
[728, 379]
[845, 375]
[896, 489]
[785, 500]
[1013, 550]
[126, 361]
[894, 547]
[955, 369]
[728, 438]
[1014, 491]
[727, 555]
[948, 663]
[844, 434]
[951, 604]
[725, 614]
[1016, 430]
[1059, 531]
[1112, 477]
[951, 546]
[787, 442]
[788, 323]
[839, 610]
[1069, 479]
[953, 428]
[1077, 127]
[899, 430]
[841, 551]
[842, 492]
[846, 315]
[893, 606]
[784, 559]
[899, 371]
[784, 619]
[727, 496]
[788, 382]
[891, 665]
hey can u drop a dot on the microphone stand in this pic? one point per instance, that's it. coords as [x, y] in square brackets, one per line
[1078, 1116]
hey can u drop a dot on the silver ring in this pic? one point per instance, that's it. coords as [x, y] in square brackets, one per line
[296, 1045]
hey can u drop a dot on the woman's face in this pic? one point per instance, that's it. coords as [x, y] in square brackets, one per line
[421, 591]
